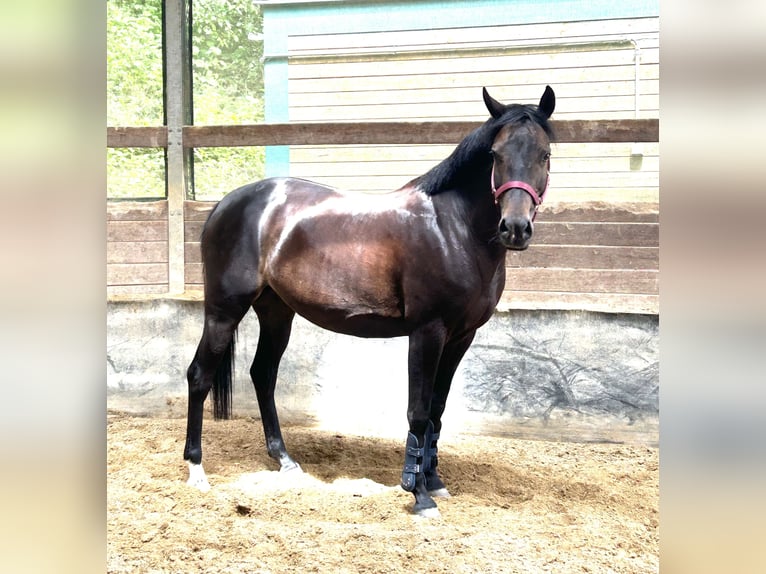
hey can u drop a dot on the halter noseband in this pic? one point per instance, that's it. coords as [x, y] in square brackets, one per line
[537, 199]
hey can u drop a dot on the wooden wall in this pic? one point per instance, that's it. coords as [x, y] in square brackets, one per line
[434, 74]
[594, 255]
[136, 247]
[431, 75]
[195, 214]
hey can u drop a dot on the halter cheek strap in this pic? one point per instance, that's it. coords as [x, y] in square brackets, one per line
[537, 199]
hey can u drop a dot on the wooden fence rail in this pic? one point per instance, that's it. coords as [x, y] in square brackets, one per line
[339, 133]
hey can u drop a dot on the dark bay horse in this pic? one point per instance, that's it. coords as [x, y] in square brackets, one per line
[426, 261]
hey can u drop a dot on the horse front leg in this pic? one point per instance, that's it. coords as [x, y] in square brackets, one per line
[425, 350]
[453, 353]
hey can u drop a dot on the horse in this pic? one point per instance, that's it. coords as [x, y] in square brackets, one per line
[426, 261]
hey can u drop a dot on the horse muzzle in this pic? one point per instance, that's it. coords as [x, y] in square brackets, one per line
[515, 232]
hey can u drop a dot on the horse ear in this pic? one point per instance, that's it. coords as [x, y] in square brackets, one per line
[547, 102]
[495, 108]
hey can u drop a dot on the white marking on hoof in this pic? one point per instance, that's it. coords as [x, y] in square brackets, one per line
[440, 493]
[197, 478]
[428, 513]
[296, 468]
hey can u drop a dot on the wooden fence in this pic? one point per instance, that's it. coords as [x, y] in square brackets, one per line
[588, 255]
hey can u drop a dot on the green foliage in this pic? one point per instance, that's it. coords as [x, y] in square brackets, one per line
[134, 63]
[136, 173]
[227, 87]
[226, 61]
[217, 171]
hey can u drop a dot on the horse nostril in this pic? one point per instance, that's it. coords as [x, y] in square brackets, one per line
[503, 227]
[528, 230]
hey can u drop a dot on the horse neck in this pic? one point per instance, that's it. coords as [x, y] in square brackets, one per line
[474, 210]
[467, 161]
[460, 188]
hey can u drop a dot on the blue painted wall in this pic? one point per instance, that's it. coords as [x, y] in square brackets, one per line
[281, 19]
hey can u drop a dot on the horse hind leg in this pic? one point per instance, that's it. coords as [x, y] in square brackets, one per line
[210, 367]
[275, 319]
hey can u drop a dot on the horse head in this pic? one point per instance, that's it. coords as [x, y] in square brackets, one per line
[521, 153]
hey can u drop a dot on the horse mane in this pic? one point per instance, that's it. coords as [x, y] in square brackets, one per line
[471, 156]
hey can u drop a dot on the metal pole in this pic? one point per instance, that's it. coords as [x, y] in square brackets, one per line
[177, 112]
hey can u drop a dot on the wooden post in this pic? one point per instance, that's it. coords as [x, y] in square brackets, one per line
[178, 111]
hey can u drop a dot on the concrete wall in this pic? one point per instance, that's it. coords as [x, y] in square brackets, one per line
[562, 375]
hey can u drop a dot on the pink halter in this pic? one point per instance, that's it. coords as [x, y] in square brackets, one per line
[537, 199]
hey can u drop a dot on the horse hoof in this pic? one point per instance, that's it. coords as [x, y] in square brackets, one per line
[439, 493]
[201, 485]
[291, 467]
[428, 513]
[197, 478]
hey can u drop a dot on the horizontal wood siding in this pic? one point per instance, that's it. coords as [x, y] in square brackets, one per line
[602, 257]
[579, 172]
[195, 215]
[431, 75]
[136, 247]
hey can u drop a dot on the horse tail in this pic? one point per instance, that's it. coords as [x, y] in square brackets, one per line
[222, 383]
